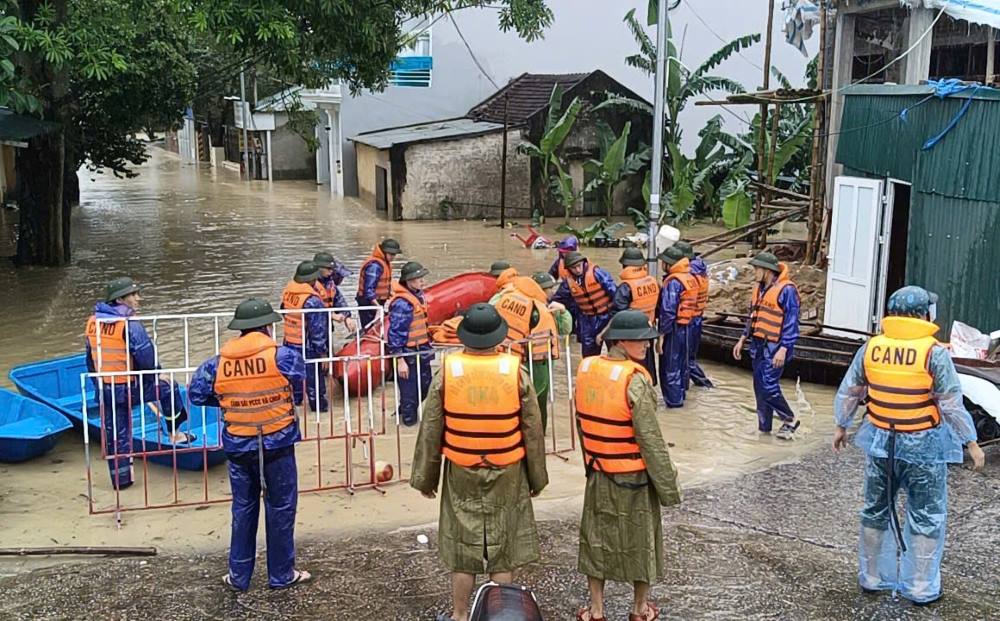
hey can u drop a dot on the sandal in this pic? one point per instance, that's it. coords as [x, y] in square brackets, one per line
[228, 581]
[298, 577]
[580, 615]
[650, 608]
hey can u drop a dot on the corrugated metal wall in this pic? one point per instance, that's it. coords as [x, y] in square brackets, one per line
[953, 246]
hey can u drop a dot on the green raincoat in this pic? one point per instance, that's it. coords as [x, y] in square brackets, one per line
[486, 524]
[621, 537]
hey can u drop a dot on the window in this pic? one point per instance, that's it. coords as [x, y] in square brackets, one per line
[412, 68]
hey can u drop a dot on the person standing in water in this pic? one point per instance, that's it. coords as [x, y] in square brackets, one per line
[700, 272]
[409, 339]
[638, 291]
[375, 279]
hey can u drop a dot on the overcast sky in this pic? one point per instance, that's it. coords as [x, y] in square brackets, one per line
[590, 34]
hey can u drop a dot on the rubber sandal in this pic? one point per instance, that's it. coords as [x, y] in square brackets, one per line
[228, 581]
[650, 608]
[589, 617]
[300, 576]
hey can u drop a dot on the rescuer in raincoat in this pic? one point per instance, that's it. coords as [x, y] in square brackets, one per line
[637, 291]
[482, 428]
[524, 306]
[375, 279]
[331, 274]
[409, 338]
[916, 425]
[312, 328]
[258, 386]
[565, 246]
[629, 471]
[773, 329]
[588, 290]
[700, 272]
[122, 345]
[677, 307]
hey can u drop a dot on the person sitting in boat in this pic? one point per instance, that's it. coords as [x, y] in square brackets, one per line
[375, 279]
[258, 386]
[300, 293]
[115, 344]
[916, 425]
[588, 290]
[504, 279]
[410, 341]
[773, 329]
[331, 274]
[677, 307]
[565, 246]
[700, 272]
[637, 291]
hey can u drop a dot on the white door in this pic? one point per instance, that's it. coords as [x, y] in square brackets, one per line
[852, 271]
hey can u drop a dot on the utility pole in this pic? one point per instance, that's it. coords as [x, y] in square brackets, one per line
[762, 170]
[662, 71]
[244, 121]
[503, 166]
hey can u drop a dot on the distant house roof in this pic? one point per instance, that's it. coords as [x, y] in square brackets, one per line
[425, 132]
[526, 95]
[17, 129]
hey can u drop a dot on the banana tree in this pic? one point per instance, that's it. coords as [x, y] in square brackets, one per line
[558, 125]
[562, 188]
[615, 166]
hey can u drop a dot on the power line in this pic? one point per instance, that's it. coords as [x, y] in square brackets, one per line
[717, 35]
[471, 53]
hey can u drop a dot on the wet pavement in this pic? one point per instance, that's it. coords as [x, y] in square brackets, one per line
[778, 544]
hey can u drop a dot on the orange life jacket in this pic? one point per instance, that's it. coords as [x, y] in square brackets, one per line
[766, 316]
[896, 367]
[294, 298]
[482, 410]
[644, 288]
[326, 293]
[562, 273]
[447, 332]
[516, 305]
[591, 296]
[703, 286]
[113, 354]
[688, 307]
[605, 416]
[419, 334]
[384, 285]
[252, 392]
[505, 278]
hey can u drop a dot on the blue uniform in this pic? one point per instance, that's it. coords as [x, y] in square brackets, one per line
[587, 326]
[369, 282]
[920, 466]
[674, 359]
[331, 283]
[766, 386]
[411, 393]
[316, 335]
[117, 423]
[280, 476]
[696, 373]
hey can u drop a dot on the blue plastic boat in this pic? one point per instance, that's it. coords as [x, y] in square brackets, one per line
[27, 428]
[56, 383]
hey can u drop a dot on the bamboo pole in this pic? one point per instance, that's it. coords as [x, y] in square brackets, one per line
[759, 198]
[817, 178]
[78, 550]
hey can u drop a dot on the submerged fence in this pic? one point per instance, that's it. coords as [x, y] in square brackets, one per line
[349, 444]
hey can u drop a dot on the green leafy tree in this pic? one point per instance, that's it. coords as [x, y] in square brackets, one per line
[615, 166]
[558, 125]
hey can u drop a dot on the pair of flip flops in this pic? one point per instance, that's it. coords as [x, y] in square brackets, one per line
[584, 614]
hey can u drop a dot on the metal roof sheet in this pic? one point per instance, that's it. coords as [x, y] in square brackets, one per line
[423, 132]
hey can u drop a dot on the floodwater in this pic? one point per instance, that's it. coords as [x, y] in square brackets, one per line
[201, 241]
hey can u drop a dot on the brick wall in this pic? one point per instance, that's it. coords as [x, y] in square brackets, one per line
[452, 179]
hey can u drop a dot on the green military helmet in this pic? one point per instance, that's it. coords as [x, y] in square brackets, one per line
[253, 313]
[390, 246]
[671, 255]
[498, 267]
[685, 247]
[630, 325]
[412, 270]
[119, 288]
[632, 257]
[572, 258]
[324, 259]
[766, 260]
[482, 327]
[307, 271]
[544, 280]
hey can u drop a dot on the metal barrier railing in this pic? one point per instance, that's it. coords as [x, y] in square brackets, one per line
[348, 434]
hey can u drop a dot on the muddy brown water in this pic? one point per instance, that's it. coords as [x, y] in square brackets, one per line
[201, 241]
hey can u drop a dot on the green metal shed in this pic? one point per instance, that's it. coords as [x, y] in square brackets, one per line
[951, 224]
